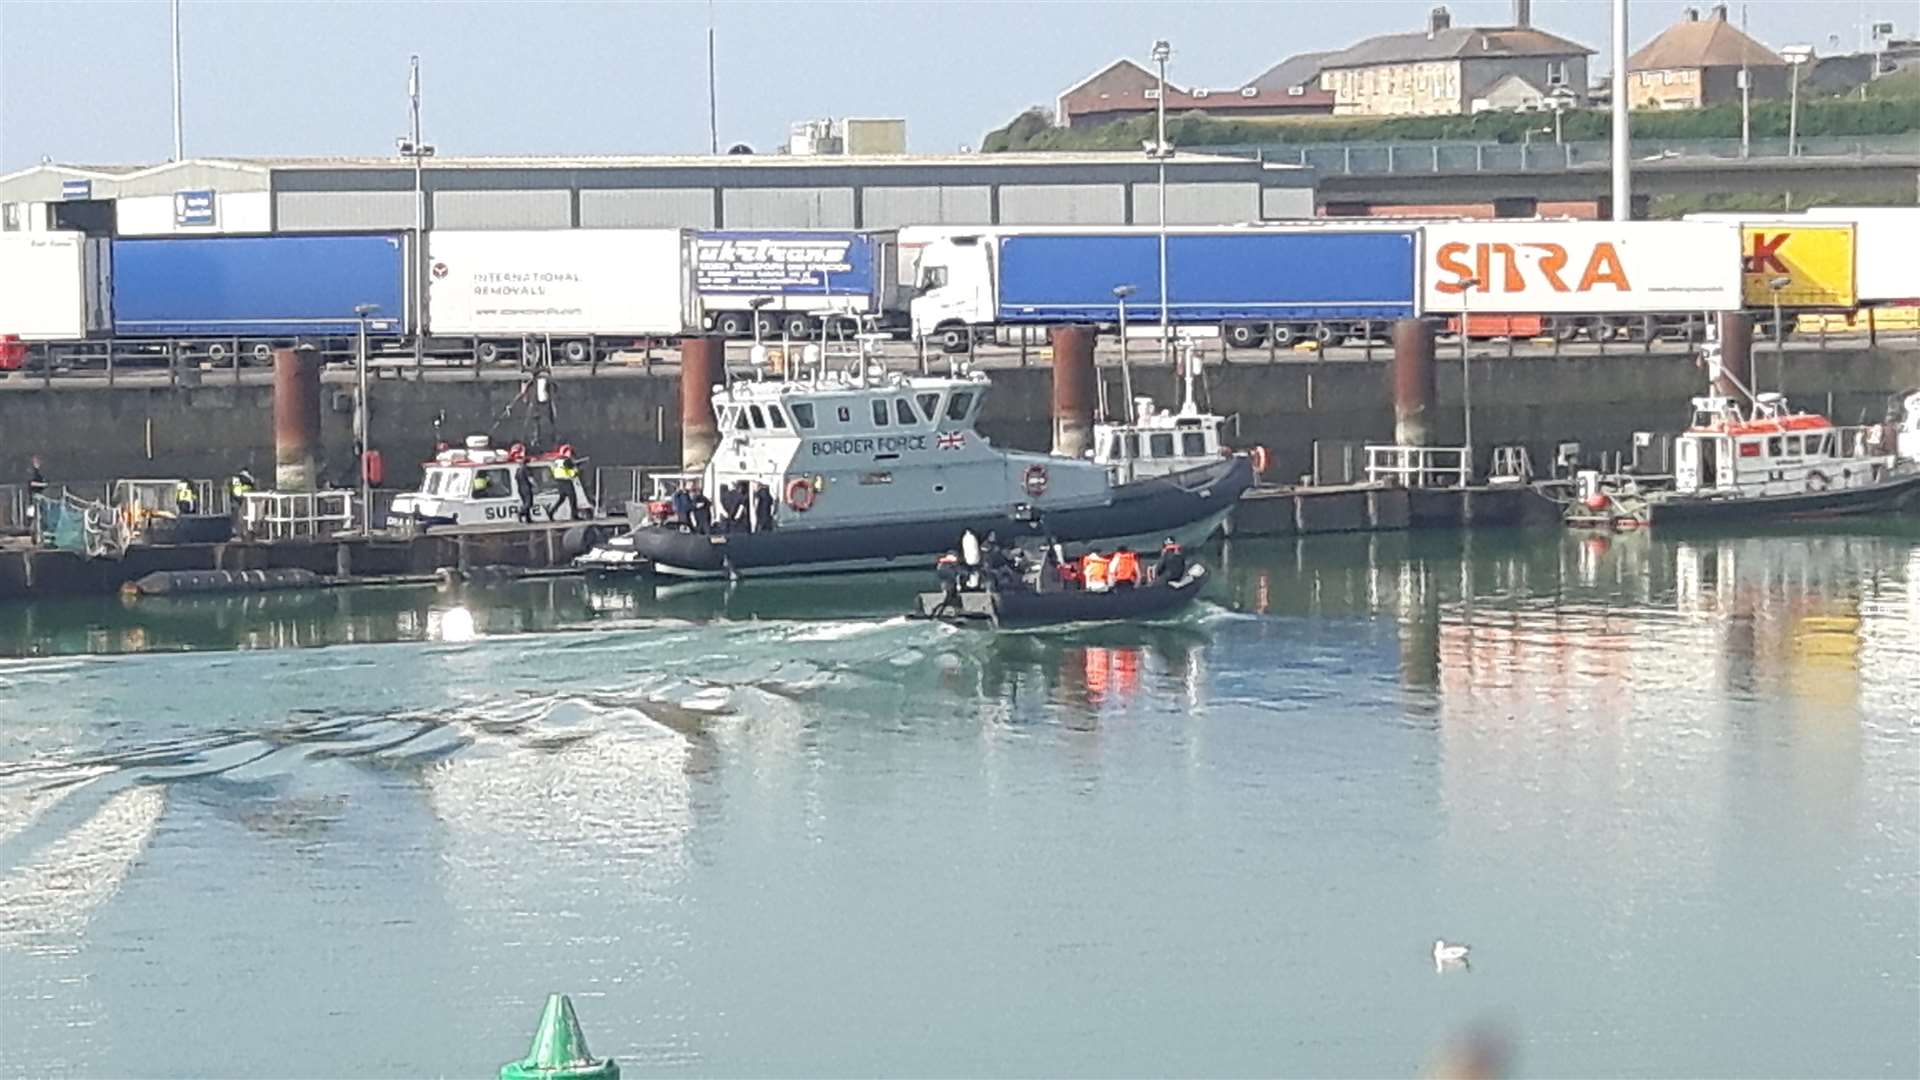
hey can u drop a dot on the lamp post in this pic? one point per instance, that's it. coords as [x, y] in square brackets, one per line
[1795, 55]
[1622, 124]
[759, 353]
[360, 418]
[1466, 381]
[1776, 286]
[411, 146]
[1120, 293]
[1746, 95]
[1162, 51]
[179, 142]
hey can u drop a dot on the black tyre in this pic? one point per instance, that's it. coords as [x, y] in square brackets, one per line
[731, 324]
[797, 326]
[1243, 335]
[575, 352]
[486, 352]
[1284, 335]
[953, 339]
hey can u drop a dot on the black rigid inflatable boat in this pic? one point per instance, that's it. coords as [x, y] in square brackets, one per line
[1022, 605]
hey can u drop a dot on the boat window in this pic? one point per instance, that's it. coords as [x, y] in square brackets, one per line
[499, 484]
[1193, 444]
[775, 418]
[435, 478]
[759, 418]
[958, 405]
[1793, 444]
[803, 413]
[1161, 444]
[739, 420]
[1773, 446]
[879, 412]
[1132, 444]
[930, 407]
[903, 412]
[1113, 448]
[846, 415]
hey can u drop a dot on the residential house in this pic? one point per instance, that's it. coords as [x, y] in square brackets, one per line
[1124, 89]
[1454, 69]
[1697, 63]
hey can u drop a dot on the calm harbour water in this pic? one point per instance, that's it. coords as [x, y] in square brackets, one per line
[1669, 790]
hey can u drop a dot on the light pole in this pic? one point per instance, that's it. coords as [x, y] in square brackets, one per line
[1776, 286]
[1622, 125]
[1466, 381]
[1746, 95]
[1161, 151]
[1120, 293]
[179, 141]
[412, 147]
[360, 424]
[1795, 55]
[759, 351]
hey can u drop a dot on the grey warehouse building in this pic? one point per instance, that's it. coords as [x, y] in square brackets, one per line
[268, 195]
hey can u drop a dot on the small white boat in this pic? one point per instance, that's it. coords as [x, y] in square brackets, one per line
[478, 484]
[1450, 955]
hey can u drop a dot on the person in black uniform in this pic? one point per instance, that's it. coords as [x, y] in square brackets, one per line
[1172, 564]
[702, 512]
[36, 490]
[762, 508]
[523, 487]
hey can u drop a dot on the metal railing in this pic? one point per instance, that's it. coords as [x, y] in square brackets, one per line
[1388, 158]
[287, 515]
[1419, 466]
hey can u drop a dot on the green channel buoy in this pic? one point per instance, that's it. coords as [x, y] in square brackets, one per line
[559, 1050]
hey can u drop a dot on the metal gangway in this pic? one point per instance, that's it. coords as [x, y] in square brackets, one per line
[1419, 466]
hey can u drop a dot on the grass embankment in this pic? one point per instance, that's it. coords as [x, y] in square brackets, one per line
[1892, 108]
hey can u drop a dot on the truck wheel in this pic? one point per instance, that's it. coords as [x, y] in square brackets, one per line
[1242, 335]
[731, 324]
[797, 326]
[953, 339]
[486, 352]
[216, 352]
[575, 352]
[1564, 329]
[1322, 333]
[532, 353]
[1285, 335]
[768, 326]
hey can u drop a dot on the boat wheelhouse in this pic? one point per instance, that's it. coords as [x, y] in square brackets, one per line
[478, 484]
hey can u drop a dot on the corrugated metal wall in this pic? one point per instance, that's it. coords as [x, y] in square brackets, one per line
[502, 209]
[1063, 204]
[896, 207]
[1197, 204]
[1276, 203]
[325, 211]
[770, 208]
[687, 208]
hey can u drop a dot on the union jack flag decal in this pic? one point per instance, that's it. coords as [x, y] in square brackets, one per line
[951, 440]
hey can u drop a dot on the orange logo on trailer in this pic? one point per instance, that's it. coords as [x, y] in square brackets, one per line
[1516, 268]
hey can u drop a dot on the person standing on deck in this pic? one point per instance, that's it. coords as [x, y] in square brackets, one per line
[761, 509]
[36, 490]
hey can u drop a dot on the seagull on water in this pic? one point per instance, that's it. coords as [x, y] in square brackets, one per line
[1445, 955]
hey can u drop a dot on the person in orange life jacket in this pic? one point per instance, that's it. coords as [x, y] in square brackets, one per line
[1093, 572]
[1172, 565]
[1124, 569]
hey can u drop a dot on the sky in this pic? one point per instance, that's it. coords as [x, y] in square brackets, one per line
[89, 80]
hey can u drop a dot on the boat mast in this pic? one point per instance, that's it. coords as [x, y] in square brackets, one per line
[1188, 370]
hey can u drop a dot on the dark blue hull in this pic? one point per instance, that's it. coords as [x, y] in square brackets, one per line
[1890, 495]
[1141, 513]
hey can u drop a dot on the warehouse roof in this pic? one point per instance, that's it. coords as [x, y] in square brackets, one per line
[723, 161]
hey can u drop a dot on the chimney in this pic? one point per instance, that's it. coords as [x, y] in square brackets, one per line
[1719, 13]
[1522, 13]
[1438, 20]
[1693, 14]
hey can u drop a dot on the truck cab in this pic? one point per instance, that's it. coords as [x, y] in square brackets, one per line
[953, 292]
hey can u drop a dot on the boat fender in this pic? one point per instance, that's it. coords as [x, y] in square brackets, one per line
[1259, 456]
[1036, 480]
[970, 548]
[800, 494]
[1817, 481]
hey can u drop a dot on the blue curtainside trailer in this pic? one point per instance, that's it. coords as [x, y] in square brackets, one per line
[1255, 276]
[1248, 283]
[265, 287]
[789, 279]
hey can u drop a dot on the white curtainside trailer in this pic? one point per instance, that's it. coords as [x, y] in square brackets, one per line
[578, 292]
[54, 286]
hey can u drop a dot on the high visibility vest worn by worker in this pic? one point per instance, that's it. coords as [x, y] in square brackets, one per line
[1093, 572]
[1124, 569]
[184, 497]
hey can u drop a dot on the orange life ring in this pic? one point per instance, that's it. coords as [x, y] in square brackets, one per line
[1035, 481]
[800, 494]
[1259, 456]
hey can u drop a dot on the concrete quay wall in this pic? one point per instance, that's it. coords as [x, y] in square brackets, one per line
[1298, 410]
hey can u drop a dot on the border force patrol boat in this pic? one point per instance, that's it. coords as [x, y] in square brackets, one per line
[875, 470]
